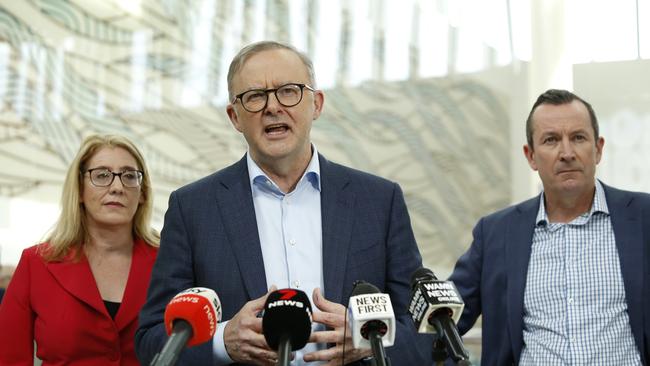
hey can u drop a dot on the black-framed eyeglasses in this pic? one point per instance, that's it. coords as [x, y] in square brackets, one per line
[288, 95]
[103, 177]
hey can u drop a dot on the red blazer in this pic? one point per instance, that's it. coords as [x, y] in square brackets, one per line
[58, 305]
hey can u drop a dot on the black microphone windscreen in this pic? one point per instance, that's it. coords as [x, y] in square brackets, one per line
[363, 287]
[422, 274]
[287, 313]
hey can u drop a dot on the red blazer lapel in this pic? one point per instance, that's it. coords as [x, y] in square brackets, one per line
[135, 293]
[78, 280]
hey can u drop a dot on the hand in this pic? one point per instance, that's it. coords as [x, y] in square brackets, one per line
[243, 335]
[332, 315]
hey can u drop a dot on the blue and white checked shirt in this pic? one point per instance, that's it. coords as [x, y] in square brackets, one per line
[290, 231]
[575, 312]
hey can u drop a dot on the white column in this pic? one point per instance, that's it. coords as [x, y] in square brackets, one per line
[550, 67]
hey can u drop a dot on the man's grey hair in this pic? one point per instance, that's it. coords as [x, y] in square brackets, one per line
[254, 48]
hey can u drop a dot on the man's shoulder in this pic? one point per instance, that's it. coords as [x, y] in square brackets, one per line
[528, 206]
[209, 182]
[353, 174]
[622, 194]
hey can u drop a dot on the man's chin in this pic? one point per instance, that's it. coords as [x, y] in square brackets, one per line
[573, 185]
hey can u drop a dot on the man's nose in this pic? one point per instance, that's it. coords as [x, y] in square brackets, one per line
[272, 104]
[567, 150]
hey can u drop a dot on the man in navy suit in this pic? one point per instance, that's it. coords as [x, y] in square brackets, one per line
[283, 216]
[563, 278]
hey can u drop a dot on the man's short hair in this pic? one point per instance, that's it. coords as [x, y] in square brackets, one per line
[558, 97]
[245, 53]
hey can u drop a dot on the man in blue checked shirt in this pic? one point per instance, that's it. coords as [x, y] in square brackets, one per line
[563, 278]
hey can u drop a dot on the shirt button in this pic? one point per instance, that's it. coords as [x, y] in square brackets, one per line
[570, 300]
[292, 242]
[296, 284]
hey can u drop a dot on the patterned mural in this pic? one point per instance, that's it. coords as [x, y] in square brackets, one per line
[72, 68]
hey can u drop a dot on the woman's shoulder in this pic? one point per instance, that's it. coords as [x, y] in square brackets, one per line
[43, 250]
[34, 254]
[36, 251]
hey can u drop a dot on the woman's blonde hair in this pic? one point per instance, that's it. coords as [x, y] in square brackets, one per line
[70, 231]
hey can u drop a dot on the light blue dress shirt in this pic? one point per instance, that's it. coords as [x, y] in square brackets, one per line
[575, 312]
[290, 231]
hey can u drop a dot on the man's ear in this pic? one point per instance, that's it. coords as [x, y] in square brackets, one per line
[234, 118]
[529, 153]
[319, 101]
[600, 143]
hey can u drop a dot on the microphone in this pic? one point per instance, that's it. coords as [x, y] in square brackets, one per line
[286, 323]
[372, 320]
[435, 307]
[191, 318]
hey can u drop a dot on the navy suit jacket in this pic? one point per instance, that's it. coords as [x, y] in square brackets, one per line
[491, 275]
[210, 239]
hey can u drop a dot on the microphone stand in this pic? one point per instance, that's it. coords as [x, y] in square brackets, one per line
[175, 343]
[439, 351]
[447, 330]
[284, 351]
[377, 349]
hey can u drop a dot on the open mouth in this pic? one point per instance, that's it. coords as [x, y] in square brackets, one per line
[276, 128]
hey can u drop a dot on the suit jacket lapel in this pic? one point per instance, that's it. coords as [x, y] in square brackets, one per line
[235, 202]
[336, 217]
[77, 279]
[518, 239]
[238, 214]
[625, 217]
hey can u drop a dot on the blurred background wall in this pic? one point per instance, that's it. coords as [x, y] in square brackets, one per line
[432, 94]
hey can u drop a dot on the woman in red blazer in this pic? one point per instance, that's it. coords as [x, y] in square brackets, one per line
[77, 296]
